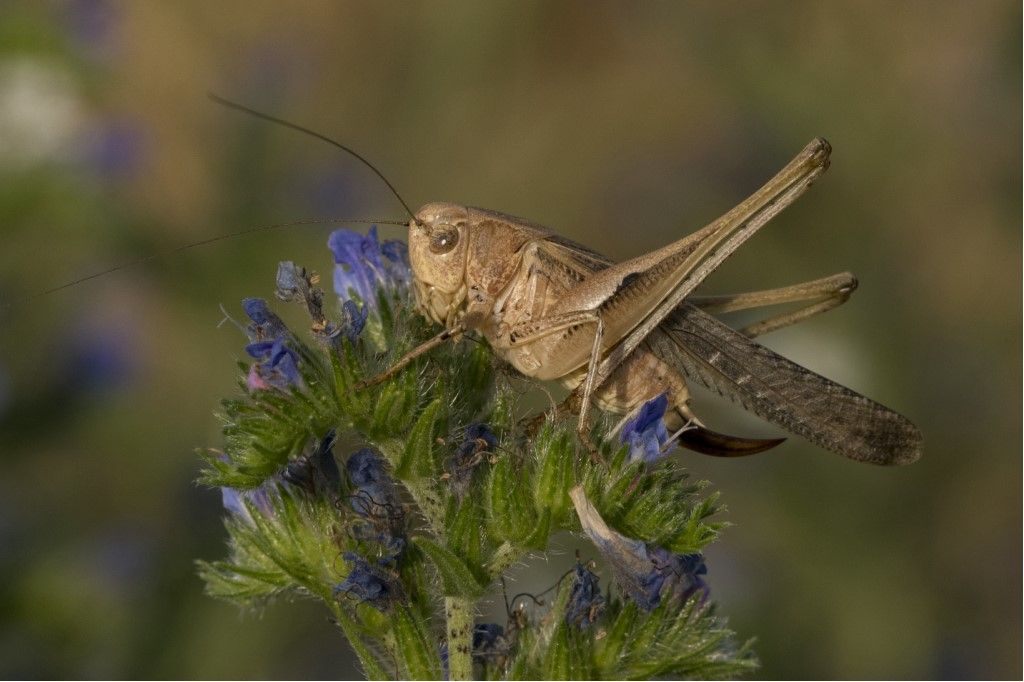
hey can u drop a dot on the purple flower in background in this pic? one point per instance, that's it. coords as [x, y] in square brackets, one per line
[363, 264]
[114, 148]
[645, 432]
[92, 24]
[646, 573]
[100, 356]
[585, 600]
[370, 584]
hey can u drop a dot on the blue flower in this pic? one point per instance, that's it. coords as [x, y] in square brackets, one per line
[265, 323]
[375, 494]
[645, 432]
[318, 471]
[646, 573]
[396, 262]
[355, 318]
[369, 584]
[363, 264]
[683, 573]
[278, 365]
[585, 600]
[479, 439]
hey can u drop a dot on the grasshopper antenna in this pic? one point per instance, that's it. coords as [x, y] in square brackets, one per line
[201, 242]
[294, 126]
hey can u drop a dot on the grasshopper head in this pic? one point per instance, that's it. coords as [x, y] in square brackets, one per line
[438, 241]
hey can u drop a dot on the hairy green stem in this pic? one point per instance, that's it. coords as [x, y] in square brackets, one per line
[459, 612]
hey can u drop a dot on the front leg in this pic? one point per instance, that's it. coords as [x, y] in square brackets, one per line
[419, 350]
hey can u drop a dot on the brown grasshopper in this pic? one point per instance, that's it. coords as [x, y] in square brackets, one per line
[619, 334]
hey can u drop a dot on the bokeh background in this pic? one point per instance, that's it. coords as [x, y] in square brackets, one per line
[621, 125]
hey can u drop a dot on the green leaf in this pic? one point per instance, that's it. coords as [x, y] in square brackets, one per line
[566, 657]
[457, 579]
[678, 640]
[655, 503]
[556, 454]
[419, 658]
[511, 513]
[418, 460]
[464, 533]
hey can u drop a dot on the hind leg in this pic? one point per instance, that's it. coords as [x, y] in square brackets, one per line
[819, 295]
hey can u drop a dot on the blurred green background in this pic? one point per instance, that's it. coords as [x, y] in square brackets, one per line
[621, 125]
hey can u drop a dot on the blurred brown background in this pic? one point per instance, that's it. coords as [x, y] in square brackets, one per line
[622, 126]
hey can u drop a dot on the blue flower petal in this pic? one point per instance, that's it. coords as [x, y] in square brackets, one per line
[645, 432]
[369, 584]
[375, 495]
[585, 600]
[265, 323]
[278, 365]
[355, 318]
[357, 264]
[363, 264]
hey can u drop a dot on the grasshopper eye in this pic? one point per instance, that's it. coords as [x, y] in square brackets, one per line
[443, 240]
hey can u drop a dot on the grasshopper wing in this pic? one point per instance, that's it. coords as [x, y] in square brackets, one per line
[713, 354]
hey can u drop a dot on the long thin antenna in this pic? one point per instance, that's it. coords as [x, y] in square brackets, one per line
[201, 242]
[294, 126]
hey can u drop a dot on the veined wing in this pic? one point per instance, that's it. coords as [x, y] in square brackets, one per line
[713, 354]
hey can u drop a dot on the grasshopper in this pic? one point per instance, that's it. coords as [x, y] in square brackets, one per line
[619, 334]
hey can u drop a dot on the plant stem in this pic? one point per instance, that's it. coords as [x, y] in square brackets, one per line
[459, 612]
